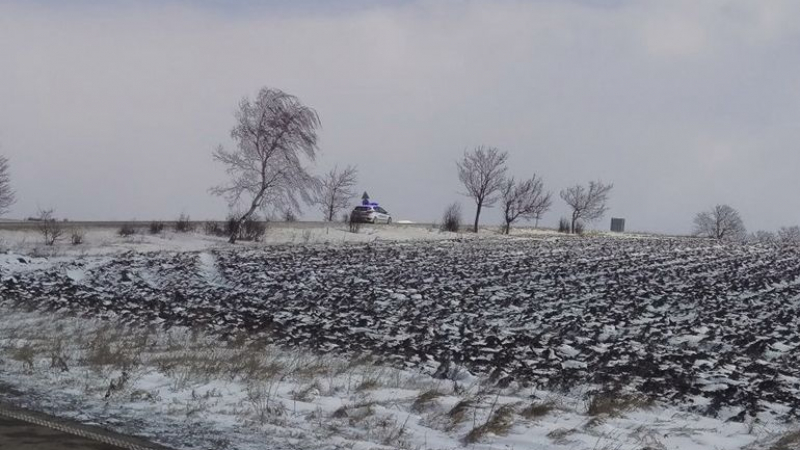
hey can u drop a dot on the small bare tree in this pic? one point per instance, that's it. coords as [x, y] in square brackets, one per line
[762, 237]
[523, 200]
[51, 229]
[273, 135]
[335, 191]
[482, 172]
[587, 203]
[721, 222]
[7, 195]
[789, 235]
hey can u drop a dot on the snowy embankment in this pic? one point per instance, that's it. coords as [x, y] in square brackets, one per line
[486, 343]
[186, 389]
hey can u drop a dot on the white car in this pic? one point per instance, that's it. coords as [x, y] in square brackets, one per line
[370, 214]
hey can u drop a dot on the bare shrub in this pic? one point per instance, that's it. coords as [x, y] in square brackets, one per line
[213, 228]
[252, 229]
[156, 227]
[563, 225]
[579, 228]
[184, 224]
[289, 216]
[26, 355]
[354, 226]
[77, 236]
[126, 230]
[451, 220]
[51, 229]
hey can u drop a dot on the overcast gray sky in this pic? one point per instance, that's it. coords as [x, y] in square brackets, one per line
[111, 110]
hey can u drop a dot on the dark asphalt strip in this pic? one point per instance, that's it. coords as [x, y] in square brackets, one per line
[27, 430]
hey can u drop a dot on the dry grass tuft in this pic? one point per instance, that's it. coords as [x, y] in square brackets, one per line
[499, 423]
[264, 404]
[613, 404]
[536, 410]
[355, 413]
[368, 384]
[308, 392]
[425, 400]
[26, 355]
[789, 441]
[458, 414]
[559, 435]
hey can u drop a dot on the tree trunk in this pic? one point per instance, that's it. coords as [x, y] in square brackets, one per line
[477, 217]
[245, 216]
[507, 229]
[572, 225]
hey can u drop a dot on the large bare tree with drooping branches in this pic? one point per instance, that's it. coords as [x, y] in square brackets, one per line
[275, 135]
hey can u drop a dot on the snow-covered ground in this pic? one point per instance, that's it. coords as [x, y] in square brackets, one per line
[100, 240]
[186, 389]
[406, 337]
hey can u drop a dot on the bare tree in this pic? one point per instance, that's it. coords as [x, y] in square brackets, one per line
[335, 191]
[587, 203]
[523, 200]
[51, 229]
[789, 235]
[482, 172]
[7, 195]
[273, 134]
[762, 237]
[721, 222]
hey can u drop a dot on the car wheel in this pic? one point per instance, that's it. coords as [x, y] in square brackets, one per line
[375, 220]
[389, 221]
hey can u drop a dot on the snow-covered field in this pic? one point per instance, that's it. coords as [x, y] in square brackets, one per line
[102, 240]
[405, 337]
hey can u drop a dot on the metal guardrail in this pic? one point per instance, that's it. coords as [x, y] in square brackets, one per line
[75, 430]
